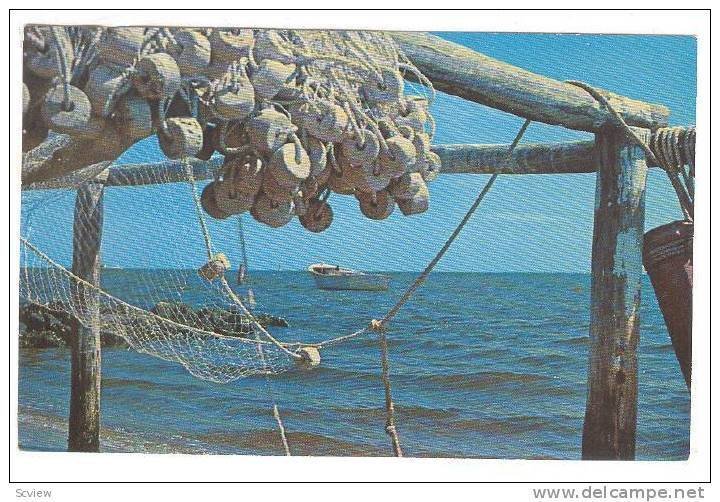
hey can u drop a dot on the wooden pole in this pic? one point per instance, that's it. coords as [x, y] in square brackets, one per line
[611, 411]
[84, 422]
[461, 71]
[542, 158]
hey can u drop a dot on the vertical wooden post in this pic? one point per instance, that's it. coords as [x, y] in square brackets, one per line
[611, 411]
[84, 422]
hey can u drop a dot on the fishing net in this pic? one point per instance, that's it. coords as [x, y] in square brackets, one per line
[279, 120]
[157, 303]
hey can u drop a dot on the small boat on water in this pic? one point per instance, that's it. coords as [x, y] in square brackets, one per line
[334, 277]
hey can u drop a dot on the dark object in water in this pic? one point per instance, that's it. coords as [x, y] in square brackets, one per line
[47, 326]
[667, 256]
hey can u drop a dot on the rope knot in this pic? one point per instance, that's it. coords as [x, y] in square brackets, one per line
[390, 430]
[376, 326]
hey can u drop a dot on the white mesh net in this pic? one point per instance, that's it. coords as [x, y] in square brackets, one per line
[335, 101]
[172, 312]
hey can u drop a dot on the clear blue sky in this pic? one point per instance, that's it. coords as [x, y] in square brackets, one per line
[526, 223]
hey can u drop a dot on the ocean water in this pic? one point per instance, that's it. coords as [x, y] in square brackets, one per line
[483, 365]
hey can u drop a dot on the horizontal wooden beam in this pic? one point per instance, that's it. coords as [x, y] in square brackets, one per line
[458, 70]
[152, 173]
[543, 158]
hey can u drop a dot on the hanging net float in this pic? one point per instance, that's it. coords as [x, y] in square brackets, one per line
[215, 268]
[320, 111]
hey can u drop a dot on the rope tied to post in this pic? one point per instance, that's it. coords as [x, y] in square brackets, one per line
[665, 142]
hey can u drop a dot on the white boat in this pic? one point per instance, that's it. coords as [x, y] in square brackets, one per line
[336, 278]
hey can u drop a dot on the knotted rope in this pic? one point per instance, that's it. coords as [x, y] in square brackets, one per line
[380, 325]
[256, 324]
[683, 196]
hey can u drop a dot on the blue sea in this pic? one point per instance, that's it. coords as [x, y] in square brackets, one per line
[483, 365]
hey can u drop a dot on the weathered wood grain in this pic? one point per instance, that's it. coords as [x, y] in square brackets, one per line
[611, 411]
[84, 420]
[60, 155]
[458, 70]
[544, 158]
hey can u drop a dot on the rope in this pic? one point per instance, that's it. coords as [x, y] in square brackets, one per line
[683, 197]
[139, 311]
[256, 324]
[226, 287]
[283, 436]
[242, 244]
[61, 56]
[379, 326]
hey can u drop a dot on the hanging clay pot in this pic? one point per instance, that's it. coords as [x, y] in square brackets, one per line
[326, 121]
[668, 259]
[341, 179]
[270, 45]
[387, 90]
[376, 206]
[105, 85]
[235, 102]
[416, 204]
[207, 200]
[193, 56]
[271, 213]
[229, 200]
[157, 76]
[399, 157]
[269, 77]
[290, 164]
[133, 117]
[318, 216]
[71, 118]
[269, 130]
[25, 98]
[215, 268]
[361, 151]
[229, 45]
[182, 137]
[121, 46]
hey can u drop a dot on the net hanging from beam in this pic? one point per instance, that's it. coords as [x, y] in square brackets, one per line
[156, 303]
[151, 295]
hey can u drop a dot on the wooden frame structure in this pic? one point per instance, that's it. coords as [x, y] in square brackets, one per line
[610, 417]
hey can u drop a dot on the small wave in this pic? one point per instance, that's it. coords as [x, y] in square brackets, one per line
[509, 426]
[403, 413]
[269, 442]
[110, 383]
[577, 340]
[486, 379]
[544, 359]
[660, 347]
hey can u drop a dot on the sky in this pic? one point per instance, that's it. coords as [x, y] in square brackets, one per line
[527, 223]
